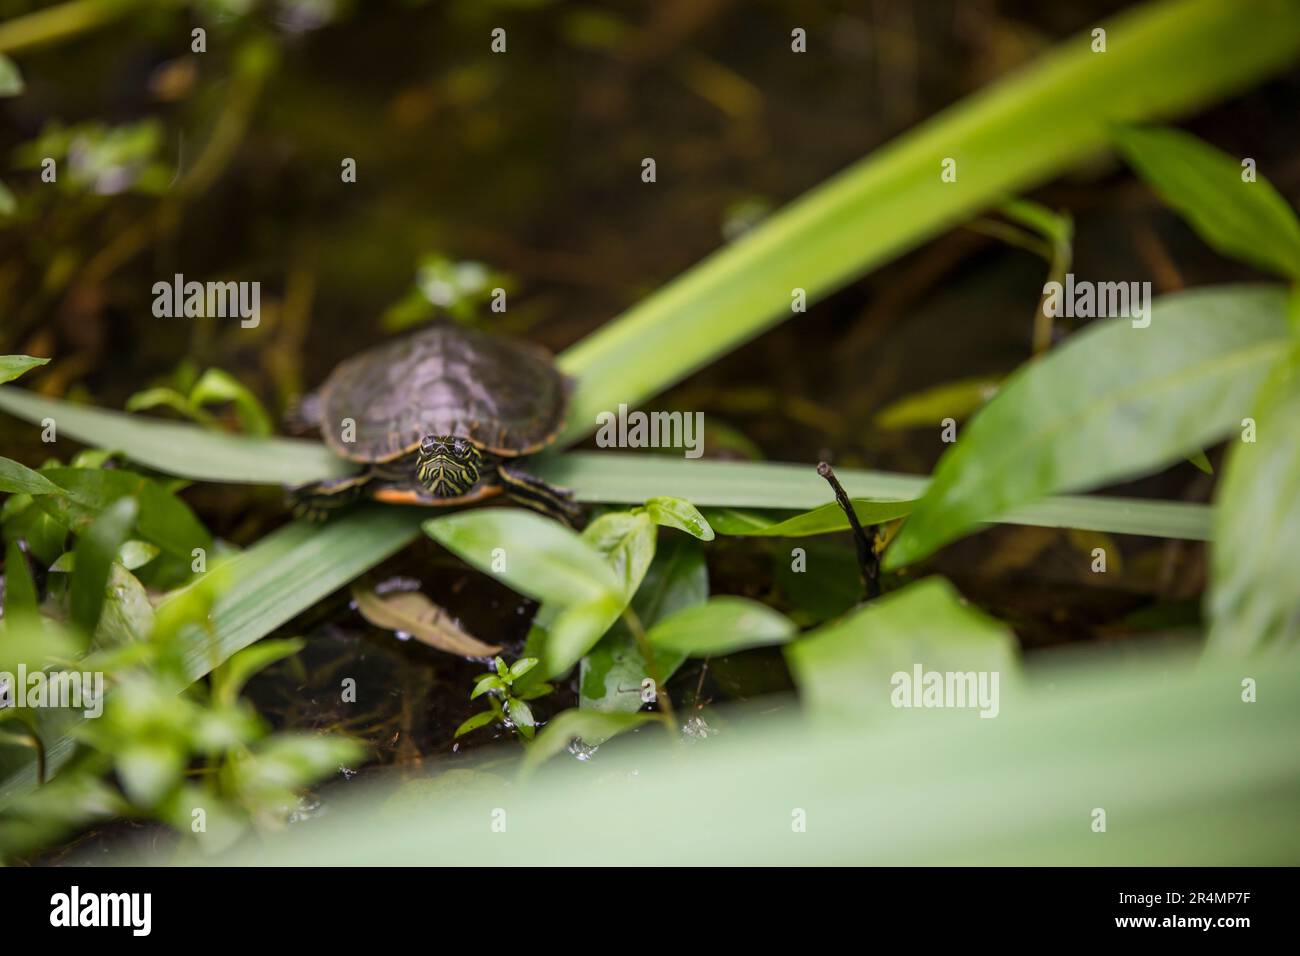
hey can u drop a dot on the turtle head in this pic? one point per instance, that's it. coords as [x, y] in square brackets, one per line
[447, 465]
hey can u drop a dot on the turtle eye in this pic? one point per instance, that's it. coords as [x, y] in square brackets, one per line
[461, 449]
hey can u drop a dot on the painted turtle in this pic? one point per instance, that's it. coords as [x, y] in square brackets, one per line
[440, 417]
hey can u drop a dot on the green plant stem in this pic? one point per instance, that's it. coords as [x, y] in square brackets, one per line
[662, 697]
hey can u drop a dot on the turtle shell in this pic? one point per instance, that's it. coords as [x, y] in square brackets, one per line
[504, 395]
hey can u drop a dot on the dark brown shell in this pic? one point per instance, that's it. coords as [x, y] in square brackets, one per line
[505, 396]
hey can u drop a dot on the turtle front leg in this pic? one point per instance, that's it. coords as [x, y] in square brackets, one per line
[317, 501]
[534, 493]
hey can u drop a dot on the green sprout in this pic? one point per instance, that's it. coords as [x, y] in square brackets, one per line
[506, 707]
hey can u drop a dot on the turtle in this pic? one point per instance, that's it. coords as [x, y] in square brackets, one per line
[440, 417]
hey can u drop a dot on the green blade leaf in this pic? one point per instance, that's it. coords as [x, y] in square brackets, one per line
[179, 449]
[1254, 597]
[11, 366]
[721, 625]
[1111, 403]
[1249, 221]
[1162, 59]
[95, 553]
[848, 668]
[927, 409]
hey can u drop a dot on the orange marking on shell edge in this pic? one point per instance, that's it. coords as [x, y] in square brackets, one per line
[410, 496]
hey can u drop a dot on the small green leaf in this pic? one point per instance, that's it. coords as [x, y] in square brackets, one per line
[95, 554]
[522, 666]
[8, 205]
[474, 723]
[1202, 462]
[1249, 221]
[520, 714]
[486, 683]
[720, 626]
[11, 366]
[680, 514]
[502, 670]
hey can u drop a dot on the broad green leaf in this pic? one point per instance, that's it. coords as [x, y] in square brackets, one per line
[95, 553]
[411, 612]
[562, 635]
[1162, 60]
[16, 479]
[229, 679]
[535, 556]
[821, 582]
[829, 517]
[849, 668]
[721, 625]
[627, 540]
[680, 514]
[180, 449]
[592, 727]
[11, 366]
[1254, 599]
[1183, 768]
[928, 409]
[613, 670]
[20, 590]
[1250, 221]
[1113, 402]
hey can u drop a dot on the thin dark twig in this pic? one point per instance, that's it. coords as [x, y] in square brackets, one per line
[868, 560]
